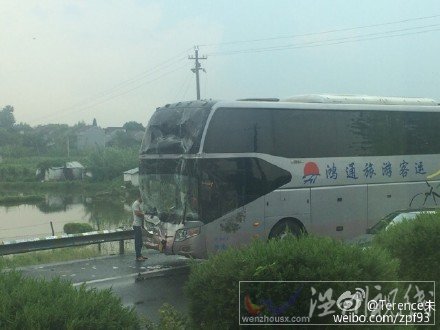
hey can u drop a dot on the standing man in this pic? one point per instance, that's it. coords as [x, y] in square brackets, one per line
[138, 221]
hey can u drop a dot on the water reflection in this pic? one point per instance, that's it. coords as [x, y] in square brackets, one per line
[107, 213]
[57, 203]
[24, 221]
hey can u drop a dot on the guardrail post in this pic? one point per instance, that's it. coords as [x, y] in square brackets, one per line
[51, 227]
[121, 246]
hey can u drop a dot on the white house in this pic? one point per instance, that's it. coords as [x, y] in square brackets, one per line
[54, 174]
[74, 171]
[132, 176]
[71, 171]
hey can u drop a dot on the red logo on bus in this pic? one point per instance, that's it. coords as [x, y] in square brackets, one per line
[311, 172]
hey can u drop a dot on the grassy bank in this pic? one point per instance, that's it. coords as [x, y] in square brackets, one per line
[61, 255]
[62, 186]
[11, 191]
[20, 199]
[45, 257]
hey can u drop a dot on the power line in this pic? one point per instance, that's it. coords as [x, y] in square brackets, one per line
[322, 32]
[103, 95]
[183, 87]
[186, 90]
[118, 89]
[126, 92]
[165, 64]
[141, 76]
[123, 84]
[335, 41]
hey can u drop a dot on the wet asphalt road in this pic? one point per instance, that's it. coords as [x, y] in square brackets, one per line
[146, 285]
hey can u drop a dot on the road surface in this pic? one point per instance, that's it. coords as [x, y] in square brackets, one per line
[145, 285]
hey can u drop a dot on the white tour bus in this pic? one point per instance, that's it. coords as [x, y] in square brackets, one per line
[221, 173]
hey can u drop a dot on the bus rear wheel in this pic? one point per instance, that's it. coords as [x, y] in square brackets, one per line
[285, 228]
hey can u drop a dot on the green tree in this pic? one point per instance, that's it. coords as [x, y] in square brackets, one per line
[22, 128]
[110, 163]
[7, 119]
[80, 124]
[133, 126]
[122, 140]
[6, 137]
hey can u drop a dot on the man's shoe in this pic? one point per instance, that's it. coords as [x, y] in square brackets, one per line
[140, 258]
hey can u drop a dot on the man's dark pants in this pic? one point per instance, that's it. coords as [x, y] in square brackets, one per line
[138, 240]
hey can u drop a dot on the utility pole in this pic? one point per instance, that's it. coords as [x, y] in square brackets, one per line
[68, 148]
[197, 68]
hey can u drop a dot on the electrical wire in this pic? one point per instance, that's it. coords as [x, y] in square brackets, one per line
[186, 90]
[123, 84]
[183, 87]
[106, 98]
[322, 32]
[81, 109]
[335, 41]
[135, 82]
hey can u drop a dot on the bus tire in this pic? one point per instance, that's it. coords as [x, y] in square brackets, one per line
[285, 227]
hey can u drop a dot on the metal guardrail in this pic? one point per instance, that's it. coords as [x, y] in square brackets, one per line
[55, 242]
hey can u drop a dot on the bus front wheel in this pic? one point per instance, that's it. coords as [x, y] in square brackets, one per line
[284, 228]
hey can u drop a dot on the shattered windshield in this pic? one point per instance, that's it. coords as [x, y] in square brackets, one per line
[176, 129]
[169, 186]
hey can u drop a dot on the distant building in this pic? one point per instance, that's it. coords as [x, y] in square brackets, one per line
[54, 174]
[71, 171]
[132, 176]
[90, 137]
[74, 171]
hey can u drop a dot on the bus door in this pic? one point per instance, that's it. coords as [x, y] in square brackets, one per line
[232, 202]
[236, 228]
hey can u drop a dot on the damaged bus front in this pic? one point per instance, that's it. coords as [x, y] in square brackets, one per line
[168, 176]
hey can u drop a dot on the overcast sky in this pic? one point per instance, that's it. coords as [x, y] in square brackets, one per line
[64, 61]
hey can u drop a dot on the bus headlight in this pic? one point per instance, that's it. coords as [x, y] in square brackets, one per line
[185, 233]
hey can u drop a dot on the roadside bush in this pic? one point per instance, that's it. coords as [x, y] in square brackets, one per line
[170, 319]
[76, 228]
[213, 286]
[416, 244]
[37, 304]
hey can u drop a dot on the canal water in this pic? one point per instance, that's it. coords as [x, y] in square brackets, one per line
[28, 221]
